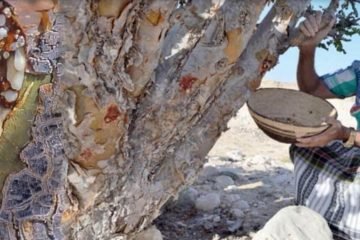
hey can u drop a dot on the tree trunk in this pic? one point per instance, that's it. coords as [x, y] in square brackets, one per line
[142, 92]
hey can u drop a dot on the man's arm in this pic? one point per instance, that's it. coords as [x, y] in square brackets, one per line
[309, 82]
[307, 78]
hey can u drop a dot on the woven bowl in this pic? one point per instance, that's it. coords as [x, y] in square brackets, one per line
[285, 114]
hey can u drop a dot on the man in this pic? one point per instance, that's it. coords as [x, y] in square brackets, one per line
[327, 166]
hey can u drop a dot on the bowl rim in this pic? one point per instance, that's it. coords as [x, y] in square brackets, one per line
[304, 129]
[290, 90]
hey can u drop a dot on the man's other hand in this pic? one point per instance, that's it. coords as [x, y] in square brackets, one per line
[336, 131]
[311, 28]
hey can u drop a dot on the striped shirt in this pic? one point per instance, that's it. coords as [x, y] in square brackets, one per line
[345, 83]
[327, 179]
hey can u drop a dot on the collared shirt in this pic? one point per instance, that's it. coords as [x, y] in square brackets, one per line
[346, 83]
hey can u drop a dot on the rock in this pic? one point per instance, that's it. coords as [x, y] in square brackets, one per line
[216, 237]
[223, 181]
[209, 171]
[237, 213]
[235, 155]
[208, 202]
[216, 219]
[231, 198]
[151, 233]
[206, 187]
[188, 196]
[234, 173]
[281, 179]
[208, 226]
[295, 222]
[234, 225]
[241, 204]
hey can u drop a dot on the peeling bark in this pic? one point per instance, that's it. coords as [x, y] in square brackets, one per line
[142, 93]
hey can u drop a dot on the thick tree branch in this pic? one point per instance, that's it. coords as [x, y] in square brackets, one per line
[194, 41]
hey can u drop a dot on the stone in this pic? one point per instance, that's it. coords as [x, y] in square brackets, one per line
[293, 223]
[241, 204]
[237, 213]
[223, 181]
[235, 155]
[208, 226]
[233, 226]
[234, 173]
[208, 202]
[216, 219]
[216, 237]
[188, 196]
[209, 171]
[231, 198]
[151, 233]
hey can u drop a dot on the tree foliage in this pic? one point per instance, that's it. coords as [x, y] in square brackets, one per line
[346, 27]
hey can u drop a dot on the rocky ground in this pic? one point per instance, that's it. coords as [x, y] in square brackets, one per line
[247, 179]
[232, 198]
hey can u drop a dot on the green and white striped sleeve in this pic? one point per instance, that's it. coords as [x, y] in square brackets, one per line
[342, 83]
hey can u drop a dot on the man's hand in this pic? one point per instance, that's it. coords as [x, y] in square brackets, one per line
[311, 29]
[336, 132]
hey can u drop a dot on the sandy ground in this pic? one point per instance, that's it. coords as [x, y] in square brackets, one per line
[247, 179]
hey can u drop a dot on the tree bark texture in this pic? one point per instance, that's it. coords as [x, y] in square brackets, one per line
[141, 94]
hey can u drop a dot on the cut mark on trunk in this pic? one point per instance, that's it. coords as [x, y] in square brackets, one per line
[111, 8]
[100, 129]
[112, 114]
[154, 17]
[186, 82]
[267, 60]
[235, 44]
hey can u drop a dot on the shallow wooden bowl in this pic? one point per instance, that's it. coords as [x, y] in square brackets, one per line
[285, 114]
